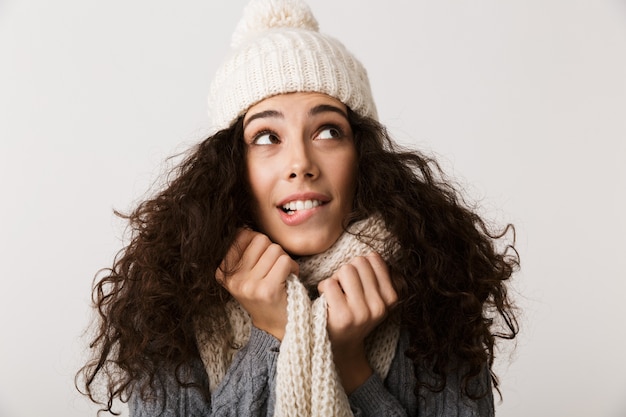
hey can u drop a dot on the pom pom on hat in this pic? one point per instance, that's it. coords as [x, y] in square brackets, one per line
[261, 15]
[277, 49]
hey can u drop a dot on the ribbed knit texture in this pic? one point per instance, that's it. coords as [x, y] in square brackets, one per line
[307, 383]
[278, 49]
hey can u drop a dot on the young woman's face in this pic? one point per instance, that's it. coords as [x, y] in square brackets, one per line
[302, 164]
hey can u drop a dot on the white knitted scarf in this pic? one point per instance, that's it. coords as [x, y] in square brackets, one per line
[307, 383]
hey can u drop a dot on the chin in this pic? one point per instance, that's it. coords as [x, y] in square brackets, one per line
[307, 247]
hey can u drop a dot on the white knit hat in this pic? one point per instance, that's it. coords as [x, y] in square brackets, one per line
[277, 48]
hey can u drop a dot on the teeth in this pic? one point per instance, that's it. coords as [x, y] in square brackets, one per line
[301, 205]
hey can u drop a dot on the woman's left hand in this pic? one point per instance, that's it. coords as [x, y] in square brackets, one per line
[358, 296]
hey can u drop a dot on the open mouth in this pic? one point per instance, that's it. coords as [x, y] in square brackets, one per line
[299, 205]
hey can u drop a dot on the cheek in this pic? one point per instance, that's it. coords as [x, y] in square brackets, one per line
[260, 180]
[254, 183]
[346, 169]
[349, 175]
[350, 188]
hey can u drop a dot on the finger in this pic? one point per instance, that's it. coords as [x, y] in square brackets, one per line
[335, 297]
[383, 276]
[271, 288]
[246, 251]
[367, 276]
[371, 291]
[256, 250]
[234, 254]
[282, 267]
[350, 282]
[267, 264]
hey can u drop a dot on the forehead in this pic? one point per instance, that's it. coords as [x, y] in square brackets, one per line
[294, 102]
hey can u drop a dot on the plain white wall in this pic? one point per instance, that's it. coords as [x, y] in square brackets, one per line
[524, 102]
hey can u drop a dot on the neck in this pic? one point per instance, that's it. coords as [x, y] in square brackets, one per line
[360, 239]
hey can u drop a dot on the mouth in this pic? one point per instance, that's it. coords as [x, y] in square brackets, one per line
[294, 206]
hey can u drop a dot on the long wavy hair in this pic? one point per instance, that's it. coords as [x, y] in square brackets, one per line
[450, 273]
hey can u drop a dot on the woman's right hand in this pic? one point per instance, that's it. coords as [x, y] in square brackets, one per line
[257, 271]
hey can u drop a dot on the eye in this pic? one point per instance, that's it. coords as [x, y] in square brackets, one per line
[329, 132]
[265, 138]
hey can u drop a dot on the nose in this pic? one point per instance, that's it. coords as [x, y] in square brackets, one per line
[301, 162]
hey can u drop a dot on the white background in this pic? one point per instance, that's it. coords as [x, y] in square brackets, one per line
[524, 102]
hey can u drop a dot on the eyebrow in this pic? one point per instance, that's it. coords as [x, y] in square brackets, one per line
[263, 114]
[321, 108]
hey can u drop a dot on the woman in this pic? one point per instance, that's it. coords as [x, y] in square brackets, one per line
[298, 262]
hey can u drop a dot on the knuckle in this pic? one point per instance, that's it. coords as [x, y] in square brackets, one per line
[359, 261]
[323, 285]
[378, 309]
[261, 239]
[346, 270]
[247, 289]
[393, 297]
[361, 319]
[344, 321]
[285, 261]
[265, 293]
[377, 261]
[330, 286]
[275, 249]
[375, 257]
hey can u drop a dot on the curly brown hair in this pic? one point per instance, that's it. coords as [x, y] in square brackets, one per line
[449, 273]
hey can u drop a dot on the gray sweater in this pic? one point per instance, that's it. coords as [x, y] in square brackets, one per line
[247, 389]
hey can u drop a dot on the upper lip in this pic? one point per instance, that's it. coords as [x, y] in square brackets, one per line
[304, 196]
